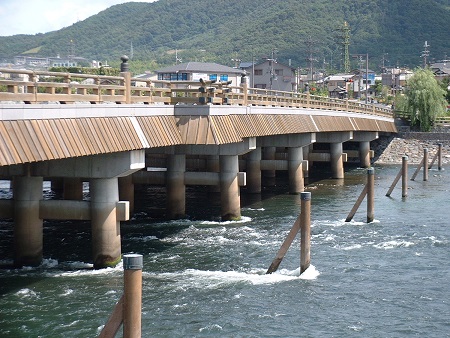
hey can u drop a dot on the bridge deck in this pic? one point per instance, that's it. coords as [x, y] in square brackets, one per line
[37, 124]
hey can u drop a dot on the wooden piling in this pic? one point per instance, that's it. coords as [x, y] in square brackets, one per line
[403, 173]
[128, 309]
[440, 156]
[404, 176]
[370, 194]
[305, 231]
[425, 164]
[132, 305]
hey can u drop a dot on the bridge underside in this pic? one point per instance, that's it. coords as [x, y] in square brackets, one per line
[222, 147]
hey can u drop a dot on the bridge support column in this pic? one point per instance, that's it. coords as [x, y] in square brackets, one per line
[269, 154]
[28, 227]
[126, 190]
[295, 170]
[229, 188]
[336, 159]
[364, 154]
[254, 171]
[73, 188]
[212, 165]
[106, 246]
[176, 189]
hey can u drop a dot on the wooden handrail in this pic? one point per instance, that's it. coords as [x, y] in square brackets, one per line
[44, 86]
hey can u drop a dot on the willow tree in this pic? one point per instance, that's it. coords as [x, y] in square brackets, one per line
[424, 99]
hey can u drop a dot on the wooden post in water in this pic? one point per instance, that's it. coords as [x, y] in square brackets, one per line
[404, 176]
[370, 194]
[305, 231]
[403, 173]
[128, 309]
[425, 164]
[132, 305]
[440, 156]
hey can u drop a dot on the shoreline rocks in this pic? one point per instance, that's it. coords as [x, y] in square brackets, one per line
[391, 149]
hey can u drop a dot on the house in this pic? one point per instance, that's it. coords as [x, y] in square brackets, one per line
[338, 85]
[270, 74]
[395, 78]
[441, 69]
[194, 71]
[363, 80]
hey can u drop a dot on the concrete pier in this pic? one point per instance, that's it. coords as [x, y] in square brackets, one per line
[364, 154]
[106, 245]
[28, 226]
[73, 188]
[295, 170]
[336, 160]
[175, 185]
[229, 188]
[254, 171]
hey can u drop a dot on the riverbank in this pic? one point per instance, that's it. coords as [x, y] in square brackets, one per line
[391, 149]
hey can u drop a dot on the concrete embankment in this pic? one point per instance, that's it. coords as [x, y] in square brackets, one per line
[391, 149]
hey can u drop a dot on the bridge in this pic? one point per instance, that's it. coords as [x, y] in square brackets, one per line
[118, 131]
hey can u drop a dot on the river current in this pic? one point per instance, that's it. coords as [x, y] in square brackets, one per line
[205, 278]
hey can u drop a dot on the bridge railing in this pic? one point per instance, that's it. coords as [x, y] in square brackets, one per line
[26, 86]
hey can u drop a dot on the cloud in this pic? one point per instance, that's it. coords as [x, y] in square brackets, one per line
[42, 16]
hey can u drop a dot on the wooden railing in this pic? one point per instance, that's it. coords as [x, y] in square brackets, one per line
[25, 86]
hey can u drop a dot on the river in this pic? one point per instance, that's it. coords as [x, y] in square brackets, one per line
[204, 278]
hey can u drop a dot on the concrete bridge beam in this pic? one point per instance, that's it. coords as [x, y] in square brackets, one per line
[28, 226]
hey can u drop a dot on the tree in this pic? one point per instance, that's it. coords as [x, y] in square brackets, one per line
[424, 99]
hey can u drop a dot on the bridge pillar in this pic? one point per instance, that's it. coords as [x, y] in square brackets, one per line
[336, 160]
[212, 165]
[176, 189]
[229, 188]
[106, 246]
[364, 154]
[295, 170]
[254, 171]
[269, 154]
[28, 226]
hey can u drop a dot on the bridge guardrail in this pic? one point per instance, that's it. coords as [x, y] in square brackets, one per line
[42, 87]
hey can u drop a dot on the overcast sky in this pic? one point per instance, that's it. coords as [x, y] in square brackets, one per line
[42, 16]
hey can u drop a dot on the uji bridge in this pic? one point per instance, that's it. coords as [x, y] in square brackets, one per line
[114, 132]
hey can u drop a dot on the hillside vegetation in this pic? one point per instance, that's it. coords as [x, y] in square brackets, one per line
[222, 30]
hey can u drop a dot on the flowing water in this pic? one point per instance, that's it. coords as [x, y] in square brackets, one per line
[204, 278]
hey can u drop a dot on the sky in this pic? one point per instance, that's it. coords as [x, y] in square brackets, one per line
[42, 16]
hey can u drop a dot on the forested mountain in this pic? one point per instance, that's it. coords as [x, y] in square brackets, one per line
[222, 30]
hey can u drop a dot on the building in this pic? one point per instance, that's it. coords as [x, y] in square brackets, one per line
[395, 78]
[338, 85]
[441, 69]
[194, 71]
[47, 62]
[270, 74]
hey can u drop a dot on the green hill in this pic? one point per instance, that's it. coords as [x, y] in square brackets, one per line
[222, 30]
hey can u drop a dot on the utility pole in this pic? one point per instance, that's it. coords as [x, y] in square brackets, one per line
[310, 47]
[360, 56]
[425, 54]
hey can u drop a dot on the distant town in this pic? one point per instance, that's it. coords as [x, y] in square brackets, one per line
[360, 83]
